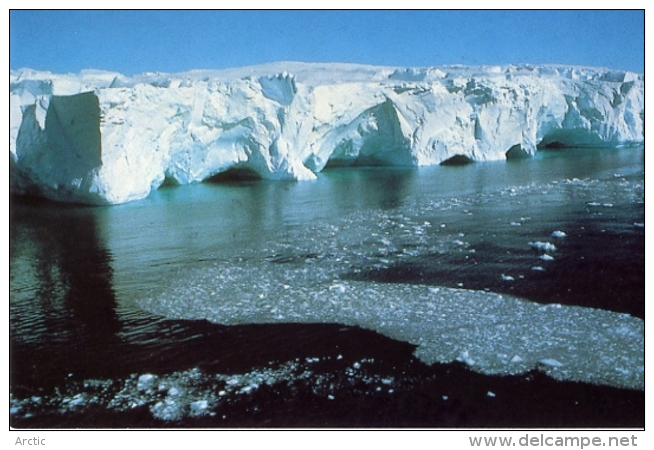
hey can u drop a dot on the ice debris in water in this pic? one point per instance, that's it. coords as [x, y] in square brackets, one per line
[173, 392]
[558, 234]
[146, 381]
[168, 409]
[199, 406]
[337, 287]
[550, 362]
[547, 247]
[465, 357]
[507, 278]
[444, 323]
[194, 393]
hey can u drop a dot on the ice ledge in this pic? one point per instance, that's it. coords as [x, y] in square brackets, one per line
[104, 138]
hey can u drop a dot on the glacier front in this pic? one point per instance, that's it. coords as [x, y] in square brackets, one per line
[103, 138]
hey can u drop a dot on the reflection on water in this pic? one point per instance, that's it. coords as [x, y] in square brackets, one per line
[62, 297]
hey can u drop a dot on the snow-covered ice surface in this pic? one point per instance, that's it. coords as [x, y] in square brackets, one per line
[104, 138]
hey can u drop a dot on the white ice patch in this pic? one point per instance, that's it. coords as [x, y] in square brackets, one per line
[146, 381]
[546, 247]
[194, 393]
[445, 324]
[550, 362]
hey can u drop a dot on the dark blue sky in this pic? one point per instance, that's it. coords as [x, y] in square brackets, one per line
[171, 41]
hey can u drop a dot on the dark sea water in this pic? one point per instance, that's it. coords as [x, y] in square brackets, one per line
[499, 294]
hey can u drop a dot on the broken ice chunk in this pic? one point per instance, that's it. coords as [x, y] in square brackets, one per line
[550, 362]
[543, 246]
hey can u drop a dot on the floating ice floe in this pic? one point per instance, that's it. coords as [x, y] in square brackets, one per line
[146, 381]
[550, 362]
[543, 246]
[465, 358]
[445, 324]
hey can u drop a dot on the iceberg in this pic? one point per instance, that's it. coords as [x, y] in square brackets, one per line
[101, 137]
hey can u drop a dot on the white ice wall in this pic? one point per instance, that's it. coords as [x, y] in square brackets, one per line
[103, 138]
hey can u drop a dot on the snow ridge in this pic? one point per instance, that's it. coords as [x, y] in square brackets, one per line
[104, 138]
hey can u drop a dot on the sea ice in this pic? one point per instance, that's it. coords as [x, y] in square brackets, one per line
[547, 247]
[550, 362]
[199, 406]
[146, 381]
[445, 324]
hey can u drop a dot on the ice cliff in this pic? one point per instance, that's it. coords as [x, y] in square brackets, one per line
[104, 138]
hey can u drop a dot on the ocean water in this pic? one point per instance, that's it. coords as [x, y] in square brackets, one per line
[374, 296]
